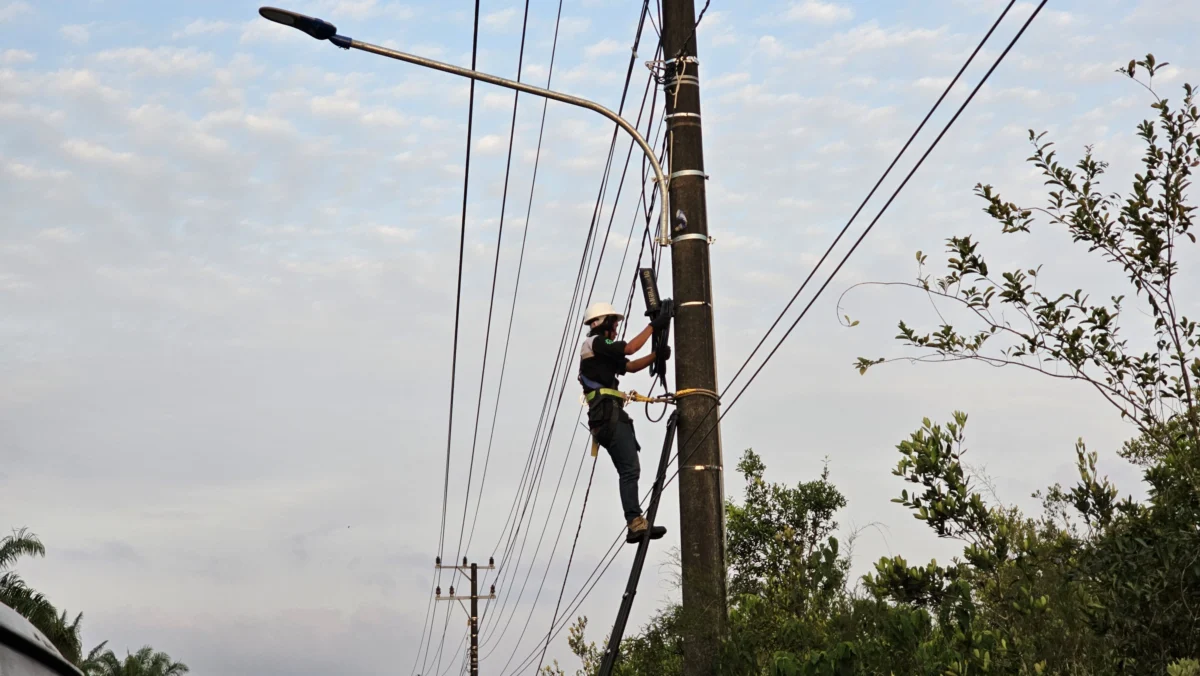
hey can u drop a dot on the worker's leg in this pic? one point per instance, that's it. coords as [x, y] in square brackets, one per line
[622, 447]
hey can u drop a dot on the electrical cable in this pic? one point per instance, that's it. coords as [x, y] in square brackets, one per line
[495, 268]
[870, 194]
[868, 229]
[516, 290]
[462, 238]
[587, 264]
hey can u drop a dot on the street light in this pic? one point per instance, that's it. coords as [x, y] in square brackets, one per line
[323, 30]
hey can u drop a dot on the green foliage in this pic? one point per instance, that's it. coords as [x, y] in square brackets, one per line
[145, 662]
[1067, 334]
[14, 593]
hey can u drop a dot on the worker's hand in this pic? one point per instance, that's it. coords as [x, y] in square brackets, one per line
[663, 352]
[663, 318]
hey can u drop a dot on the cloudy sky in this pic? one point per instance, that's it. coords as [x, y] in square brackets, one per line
[227, 287]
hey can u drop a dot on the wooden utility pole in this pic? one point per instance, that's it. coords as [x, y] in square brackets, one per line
[701, 483]
[473, 621]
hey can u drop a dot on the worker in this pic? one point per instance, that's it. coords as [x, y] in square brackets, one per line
[603, 359]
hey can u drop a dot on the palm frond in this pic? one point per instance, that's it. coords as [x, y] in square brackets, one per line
[20, 543]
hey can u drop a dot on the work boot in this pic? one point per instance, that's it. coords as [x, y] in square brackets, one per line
[637, 528]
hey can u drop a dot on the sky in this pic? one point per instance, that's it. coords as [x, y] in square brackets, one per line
[228, 264]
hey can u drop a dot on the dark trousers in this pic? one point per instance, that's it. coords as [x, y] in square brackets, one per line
[618, 439]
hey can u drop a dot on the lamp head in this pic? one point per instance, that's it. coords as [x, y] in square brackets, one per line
[317, 28]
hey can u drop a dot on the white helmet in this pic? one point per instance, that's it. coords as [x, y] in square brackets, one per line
[598, 311]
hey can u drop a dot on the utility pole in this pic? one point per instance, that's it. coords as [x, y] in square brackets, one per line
[473, 613]
[701, 481]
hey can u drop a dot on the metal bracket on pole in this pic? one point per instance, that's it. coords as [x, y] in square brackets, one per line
[681, 80]
[697, 236]
[688, 172]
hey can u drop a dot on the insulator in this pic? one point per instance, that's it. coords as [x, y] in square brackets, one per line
[493, 590]
[439, 591]
[438, 560]
[491, 561]
[452, 591]
[464, 560]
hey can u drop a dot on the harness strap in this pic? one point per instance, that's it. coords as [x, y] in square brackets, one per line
[605, 392]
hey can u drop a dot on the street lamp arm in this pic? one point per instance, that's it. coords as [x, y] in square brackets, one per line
[665, 235]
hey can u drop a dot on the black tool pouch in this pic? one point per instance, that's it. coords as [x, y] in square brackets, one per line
[602, 416]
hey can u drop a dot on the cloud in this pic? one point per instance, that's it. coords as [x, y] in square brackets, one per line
[497, 100]
[394, 234]
[385, 117]
[355, 9]
[11, 57]
[500, 19]
[334, 106]
[160, 61]
[26, 172]
[491, 144]
[604, 48]
[866, 37]
[13, 10]
[818, 12]
[204, 27]
[728, 79]
[77, 33]
[573, 25]
[82, 83]
[258, 31]
[94, 152]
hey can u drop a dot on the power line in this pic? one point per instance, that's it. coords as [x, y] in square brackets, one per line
[585, 264]
[869, 227]
[577, 297]
[487, 336]
[859, 240]
[495, 268]
[462, 239]
[870, 194]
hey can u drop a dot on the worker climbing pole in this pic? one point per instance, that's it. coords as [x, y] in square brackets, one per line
[602, 360]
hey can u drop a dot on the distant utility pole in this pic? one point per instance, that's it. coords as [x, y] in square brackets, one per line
[473, 570]
[701, 482]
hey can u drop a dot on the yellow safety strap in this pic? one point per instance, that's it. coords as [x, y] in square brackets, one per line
[605, 392]
[690, 391]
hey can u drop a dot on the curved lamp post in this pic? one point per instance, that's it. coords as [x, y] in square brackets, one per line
[323, 30]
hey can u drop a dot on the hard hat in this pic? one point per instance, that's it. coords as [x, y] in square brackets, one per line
[598, 310]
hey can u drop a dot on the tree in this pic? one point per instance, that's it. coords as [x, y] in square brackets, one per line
[145, 662]
[1118, 590]
[35, 607]
[1068, 335]
[62, 631]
